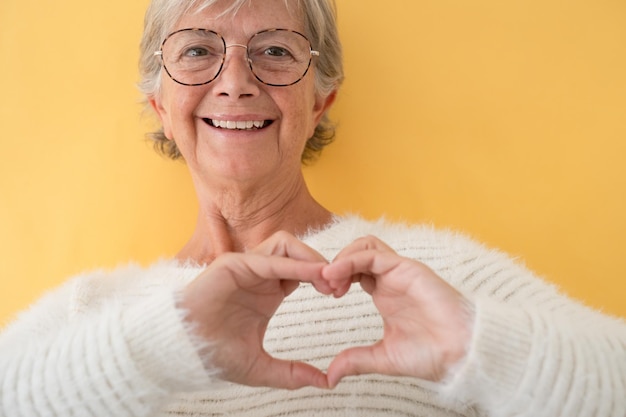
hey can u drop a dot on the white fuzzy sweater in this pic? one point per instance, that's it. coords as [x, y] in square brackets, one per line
[113, 344]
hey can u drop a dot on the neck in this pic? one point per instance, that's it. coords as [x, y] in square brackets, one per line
[234, 219]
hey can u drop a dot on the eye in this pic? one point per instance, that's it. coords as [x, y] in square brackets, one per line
[197, 51]
[276, 51]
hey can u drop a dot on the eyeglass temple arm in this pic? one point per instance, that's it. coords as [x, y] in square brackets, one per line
[159, 53]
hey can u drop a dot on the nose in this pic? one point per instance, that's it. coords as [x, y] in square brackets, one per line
[236, 79]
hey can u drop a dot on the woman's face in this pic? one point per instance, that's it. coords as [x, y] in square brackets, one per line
[189, 114]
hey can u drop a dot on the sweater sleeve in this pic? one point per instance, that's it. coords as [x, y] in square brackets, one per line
[536, 352]
[118, 361]
[528, 362]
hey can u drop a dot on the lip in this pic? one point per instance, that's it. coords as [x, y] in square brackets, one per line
[238, 123]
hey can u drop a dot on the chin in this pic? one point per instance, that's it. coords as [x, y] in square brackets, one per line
[241, 169]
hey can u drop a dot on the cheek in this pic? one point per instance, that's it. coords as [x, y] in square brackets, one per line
[180, 123]
[184, 105]
[300, 112]
[181, 101]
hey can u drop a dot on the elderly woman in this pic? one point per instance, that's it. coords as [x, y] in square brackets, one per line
[242, 88]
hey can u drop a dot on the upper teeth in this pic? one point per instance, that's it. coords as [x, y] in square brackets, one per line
[245, 124]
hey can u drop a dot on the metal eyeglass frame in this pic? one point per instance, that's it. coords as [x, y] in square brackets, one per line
[219, 71]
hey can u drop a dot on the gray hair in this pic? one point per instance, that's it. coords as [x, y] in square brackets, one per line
[320, 28]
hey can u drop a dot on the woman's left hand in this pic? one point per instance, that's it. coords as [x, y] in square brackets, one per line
[427, 323]
[232, 301]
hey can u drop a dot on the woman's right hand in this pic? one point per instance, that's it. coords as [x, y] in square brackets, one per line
[231, 303]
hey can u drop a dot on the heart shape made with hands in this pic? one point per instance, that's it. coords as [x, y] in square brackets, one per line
[426, 322]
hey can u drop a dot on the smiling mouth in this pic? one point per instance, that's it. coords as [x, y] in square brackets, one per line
[239, 124]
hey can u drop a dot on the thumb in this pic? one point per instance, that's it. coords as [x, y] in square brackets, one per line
[293, 375]
[353, 361]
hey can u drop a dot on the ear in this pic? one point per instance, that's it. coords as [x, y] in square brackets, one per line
[322, 104]
[163, 115]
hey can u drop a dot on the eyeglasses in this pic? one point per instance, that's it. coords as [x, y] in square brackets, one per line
[277, 57]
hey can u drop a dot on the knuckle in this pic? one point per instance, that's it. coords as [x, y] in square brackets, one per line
[226, 258]
[370, 241]
[282, 235]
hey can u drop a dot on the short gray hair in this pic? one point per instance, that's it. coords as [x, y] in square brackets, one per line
[320, 28]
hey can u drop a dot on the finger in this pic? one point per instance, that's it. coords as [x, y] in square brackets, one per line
[292, 375]
[363, 244]
[249, 268]
[350, 266]
[338, 287]
[364, 267]
[353, 361]
[320, 285]
[368, 284]
[370, 263]
[290, 269]
[287, 245]
[341, 287]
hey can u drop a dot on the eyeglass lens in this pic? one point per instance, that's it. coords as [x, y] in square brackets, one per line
[276, 57]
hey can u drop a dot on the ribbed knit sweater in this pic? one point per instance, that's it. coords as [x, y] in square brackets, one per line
[114, 344]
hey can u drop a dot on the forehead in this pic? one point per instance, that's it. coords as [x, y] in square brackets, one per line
[247, 17]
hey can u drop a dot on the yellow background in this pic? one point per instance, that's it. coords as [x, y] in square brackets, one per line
[503, 119]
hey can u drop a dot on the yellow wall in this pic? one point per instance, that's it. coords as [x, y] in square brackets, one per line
[506, 120]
